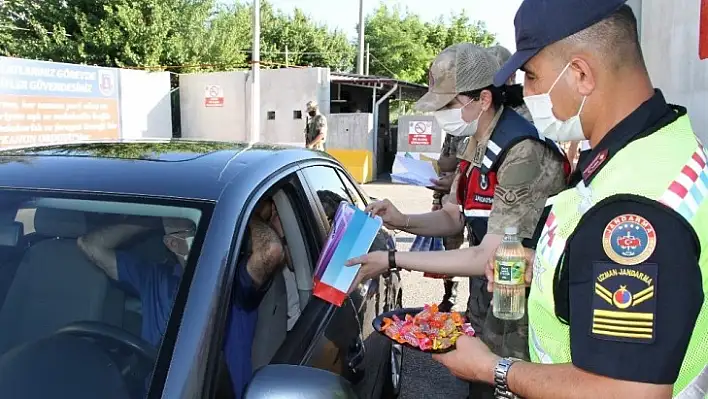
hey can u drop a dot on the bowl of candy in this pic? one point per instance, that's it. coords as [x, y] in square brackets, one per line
[425, 329]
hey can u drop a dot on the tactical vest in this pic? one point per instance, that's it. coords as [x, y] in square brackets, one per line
[476, 185]
[677, 177]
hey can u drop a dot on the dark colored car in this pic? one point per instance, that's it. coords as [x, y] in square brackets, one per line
[68, 330]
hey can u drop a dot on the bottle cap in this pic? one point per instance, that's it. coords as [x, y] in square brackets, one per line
[511, 231]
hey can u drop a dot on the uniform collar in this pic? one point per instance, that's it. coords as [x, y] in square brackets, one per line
[484, 138]
[649, 117]
[475, 146]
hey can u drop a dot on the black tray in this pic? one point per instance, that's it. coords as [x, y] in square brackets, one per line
[401, 313]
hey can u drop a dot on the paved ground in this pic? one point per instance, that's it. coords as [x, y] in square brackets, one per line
[422, 377]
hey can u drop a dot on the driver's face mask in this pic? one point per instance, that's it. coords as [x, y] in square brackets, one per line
[185, 247]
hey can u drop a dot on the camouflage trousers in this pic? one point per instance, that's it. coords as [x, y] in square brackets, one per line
[503, 337]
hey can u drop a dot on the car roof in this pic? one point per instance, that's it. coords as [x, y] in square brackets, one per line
[174, 168]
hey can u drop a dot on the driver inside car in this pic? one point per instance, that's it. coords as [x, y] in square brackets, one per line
[156, 284]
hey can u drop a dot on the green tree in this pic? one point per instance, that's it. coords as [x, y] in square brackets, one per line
[397, 41]
[122, 33]
[307, 42]
[184, 35]
[402, 45]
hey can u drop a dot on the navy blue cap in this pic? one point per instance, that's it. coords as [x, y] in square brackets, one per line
[540, 23]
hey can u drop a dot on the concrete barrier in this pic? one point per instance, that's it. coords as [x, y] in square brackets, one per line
[360, 163]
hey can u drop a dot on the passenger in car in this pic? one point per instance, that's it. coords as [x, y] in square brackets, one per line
[156, 284]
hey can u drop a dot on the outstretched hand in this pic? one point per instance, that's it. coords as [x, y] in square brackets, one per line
[391, 216]
[372, 264]
[442, 183]
[470, 361]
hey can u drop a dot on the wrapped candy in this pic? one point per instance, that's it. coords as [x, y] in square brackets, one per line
[428, 330]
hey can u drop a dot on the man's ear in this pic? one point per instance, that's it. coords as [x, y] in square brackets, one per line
[584, 76]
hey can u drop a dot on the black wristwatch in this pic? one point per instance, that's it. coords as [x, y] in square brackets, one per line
[392, 267]
[501, 372]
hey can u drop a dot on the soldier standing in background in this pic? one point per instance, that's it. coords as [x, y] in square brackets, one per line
[316, 127]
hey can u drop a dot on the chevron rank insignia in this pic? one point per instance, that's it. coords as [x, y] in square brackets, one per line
[624, 302]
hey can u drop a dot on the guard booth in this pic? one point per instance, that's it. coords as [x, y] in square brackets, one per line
[359, 132]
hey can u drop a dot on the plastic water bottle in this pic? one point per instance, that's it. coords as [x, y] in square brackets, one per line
[509, 300]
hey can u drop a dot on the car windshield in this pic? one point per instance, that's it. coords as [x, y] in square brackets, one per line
[86, 289]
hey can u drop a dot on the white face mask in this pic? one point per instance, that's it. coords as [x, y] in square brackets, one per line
[541, 108]
[450, 121]
[188, 241]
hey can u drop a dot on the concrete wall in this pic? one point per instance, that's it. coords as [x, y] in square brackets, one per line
[670, 34]
[223, 123]
[146, 110]
[283, 93]
[404, 130]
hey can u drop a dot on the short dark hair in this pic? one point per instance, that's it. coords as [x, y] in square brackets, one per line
[507, 95]
[616, 38]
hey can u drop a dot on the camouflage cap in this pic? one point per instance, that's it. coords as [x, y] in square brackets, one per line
[502, 53]
[311, 106]
[458, 69]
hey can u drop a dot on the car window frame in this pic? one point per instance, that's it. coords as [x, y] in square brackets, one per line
[349, 181]
[215, 355]
[167, 344]
[316, 199]
[314, 318]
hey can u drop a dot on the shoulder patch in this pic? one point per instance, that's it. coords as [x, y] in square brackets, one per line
[624, 303]
[510, 196]
[629, 239]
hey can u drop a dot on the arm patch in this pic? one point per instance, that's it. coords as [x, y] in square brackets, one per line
[624, 302]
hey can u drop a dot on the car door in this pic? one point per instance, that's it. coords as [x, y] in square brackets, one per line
[325, 336]
[350, 327]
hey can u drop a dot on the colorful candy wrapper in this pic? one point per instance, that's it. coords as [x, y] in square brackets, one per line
[427, 330]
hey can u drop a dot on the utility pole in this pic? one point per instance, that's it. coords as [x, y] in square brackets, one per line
[368, 59]
[287, 57]
[360, 63]
[256, 75]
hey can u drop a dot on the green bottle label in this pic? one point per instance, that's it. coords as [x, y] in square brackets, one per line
[509, 273]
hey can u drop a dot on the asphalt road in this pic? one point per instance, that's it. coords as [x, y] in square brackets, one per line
[422, 377]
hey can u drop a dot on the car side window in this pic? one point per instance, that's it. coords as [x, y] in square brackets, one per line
[353, 192]
[330, 189]
[267, 297]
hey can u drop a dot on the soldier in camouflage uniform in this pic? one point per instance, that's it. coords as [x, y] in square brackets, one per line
[316, 128]
[447, 163]
[506, 174]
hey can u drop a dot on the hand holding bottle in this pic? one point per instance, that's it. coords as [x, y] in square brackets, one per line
[529, 255]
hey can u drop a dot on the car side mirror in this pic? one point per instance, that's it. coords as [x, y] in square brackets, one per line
[280, 381]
